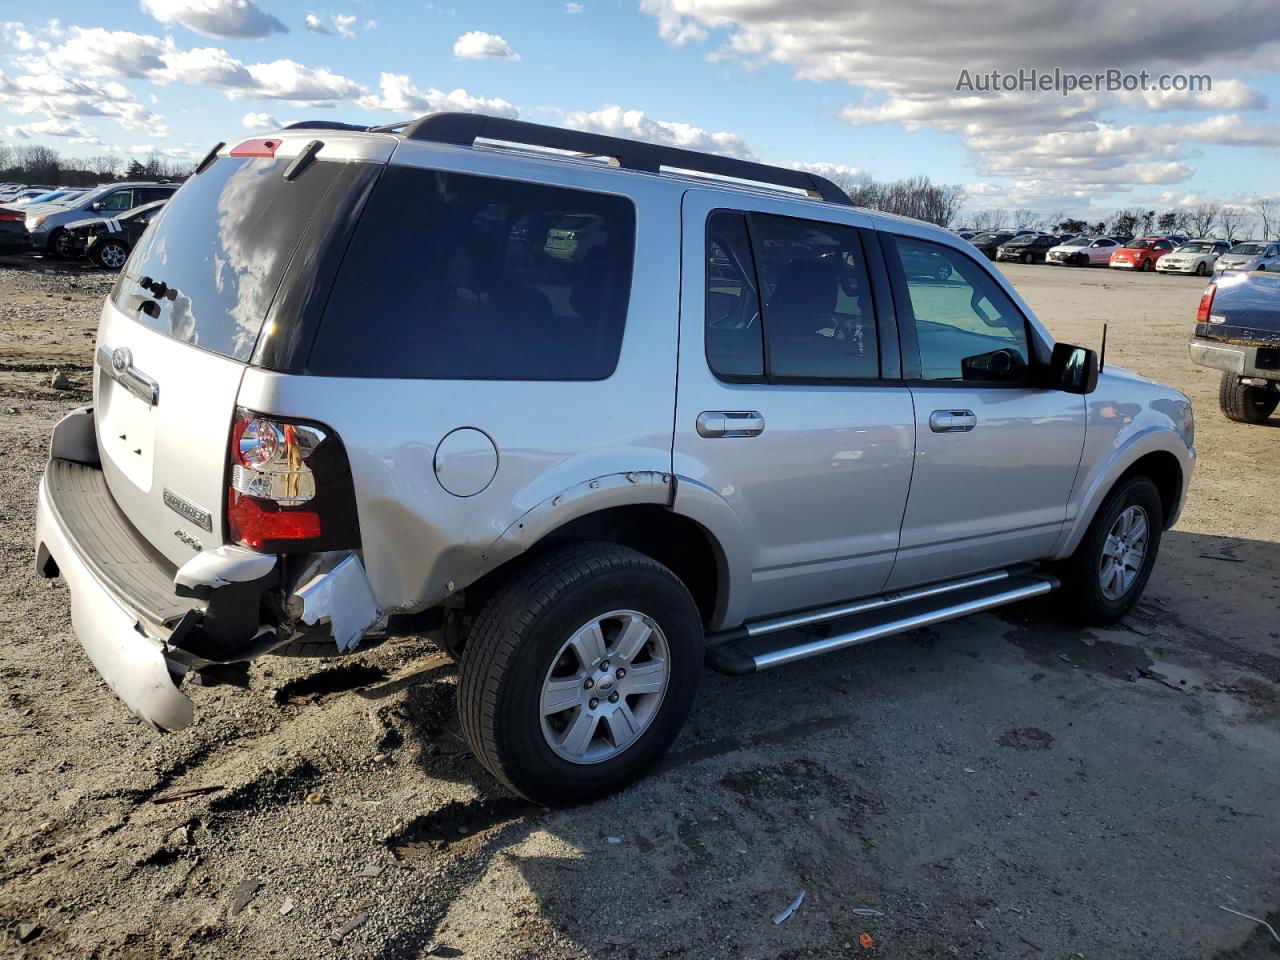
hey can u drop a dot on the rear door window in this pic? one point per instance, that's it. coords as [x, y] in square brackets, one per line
[454, 276]
[734, 338]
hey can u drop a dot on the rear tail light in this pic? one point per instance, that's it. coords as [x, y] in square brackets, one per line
[1206, 303]
[13, 216]
[289, 488]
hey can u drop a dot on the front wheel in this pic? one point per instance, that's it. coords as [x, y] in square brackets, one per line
[1243, 403]
[110, 254]
[1026, 257]
[579, 672]
[1148, 266]
[59, 247]
[1106, 575]
[1201, 269]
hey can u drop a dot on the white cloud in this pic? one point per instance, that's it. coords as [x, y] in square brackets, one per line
[398, 94]
[17, 36]
[234, 19]
[315, 24]
[478, 45]
[342, 22]
[60, 97]
[572, 7]
[907, 59]
[260, 121]
[102, 53]
[620, 122]
[53, 127]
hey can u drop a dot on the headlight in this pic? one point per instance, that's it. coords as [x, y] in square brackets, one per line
[1188, 424]
[35, 222]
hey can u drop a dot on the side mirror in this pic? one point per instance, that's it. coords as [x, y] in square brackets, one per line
[95, 207]
[1072, 369]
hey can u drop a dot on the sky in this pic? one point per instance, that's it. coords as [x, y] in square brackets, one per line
[841, 87]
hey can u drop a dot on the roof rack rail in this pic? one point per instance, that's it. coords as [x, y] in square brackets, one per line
[464, 129]
[324, 125]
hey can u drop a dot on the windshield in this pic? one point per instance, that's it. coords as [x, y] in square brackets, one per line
[1077, 242]
[1195, 248]
[1138, 244]
[1019, 241]
[1249, 249]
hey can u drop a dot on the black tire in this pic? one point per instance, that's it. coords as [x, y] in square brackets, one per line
[105, 252]
[1245, 404]
[1201, 270]
[524, 625]
[1148, 266]
[1026, 257]
[1082, 597]
[54, 247]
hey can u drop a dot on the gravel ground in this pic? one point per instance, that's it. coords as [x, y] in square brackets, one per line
[993, 787]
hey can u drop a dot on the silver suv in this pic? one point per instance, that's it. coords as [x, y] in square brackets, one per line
[592, 422]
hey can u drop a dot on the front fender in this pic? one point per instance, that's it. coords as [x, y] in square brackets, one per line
[1118, 436]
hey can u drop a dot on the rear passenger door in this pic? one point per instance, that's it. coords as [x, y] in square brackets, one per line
[790, 406]
[996, 455]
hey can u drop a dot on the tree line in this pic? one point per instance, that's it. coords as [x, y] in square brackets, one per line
[921, 198]
[44, 165]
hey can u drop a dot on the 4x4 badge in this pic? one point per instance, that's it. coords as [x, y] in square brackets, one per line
[185, 508]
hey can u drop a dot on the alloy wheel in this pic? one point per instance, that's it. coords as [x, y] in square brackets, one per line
[1123, 553]
[604, 687]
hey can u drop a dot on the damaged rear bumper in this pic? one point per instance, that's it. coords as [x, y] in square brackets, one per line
[146, 624]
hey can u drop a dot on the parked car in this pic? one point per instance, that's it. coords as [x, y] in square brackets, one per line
[1250, 255]
[63, 195]
[1142, 253]
[12, 191]
[21, 197]
[586, 473]
[988, 243]
[1238, 332]
[47, 223]
[108, 240]
[1083, 252]
[13, 230]
[1028, 248]
[1195, 256]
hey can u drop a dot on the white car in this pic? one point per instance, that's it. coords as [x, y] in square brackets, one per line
[1250, 255]
[1196, 256]
[1083, 252]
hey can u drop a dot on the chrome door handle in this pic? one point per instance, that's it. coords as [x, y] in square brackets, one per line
[730, 423]
[952, 421]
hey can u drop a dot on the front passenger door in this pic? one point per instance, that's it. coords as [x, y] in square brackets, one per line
[996, 456]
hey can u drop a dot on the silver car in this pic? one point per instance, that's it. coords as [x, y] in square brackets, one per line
[593, 424]
[47, 222]
[1249, 255]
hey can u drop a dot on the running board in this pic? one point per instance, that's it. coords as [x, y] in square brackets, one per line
[754, 647]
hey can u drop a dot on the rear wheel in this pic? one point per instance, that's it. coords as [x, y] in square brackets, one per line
[1243, 403]
[1106, 575]
[110, 254]
[579, 672]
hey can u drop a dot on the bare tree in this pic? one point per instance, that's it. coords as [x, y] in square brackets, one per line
[104, 165]
[1167, 221]
[1023, 217]
[37, 164]
[985, 220]
[1202, 217]
[1267, 211]
[917, 197]
[1231, 220]
[1123, 223]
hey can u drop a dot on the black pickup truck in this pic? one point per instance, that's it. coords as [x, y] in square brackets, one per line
[1238, 332]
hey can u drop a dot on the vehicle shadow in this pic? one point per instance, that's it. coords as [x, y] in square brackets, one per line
[994, 784]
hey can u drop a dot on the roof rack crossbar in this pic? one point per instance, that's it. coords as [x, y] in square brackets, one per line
[464, 129]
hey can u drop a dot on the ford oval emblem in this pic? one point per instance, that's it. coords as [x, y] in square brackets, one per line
[121, 359]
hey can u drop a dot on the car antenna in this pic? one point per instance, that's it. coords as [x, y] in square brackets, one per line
[1102, 354]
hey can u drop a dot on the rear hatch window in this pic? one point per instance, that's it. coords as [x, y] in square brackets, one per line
[209, 266]
[455, 276]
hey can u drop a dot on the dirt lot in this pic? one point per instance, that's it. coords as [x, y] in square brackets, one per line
[995, 787]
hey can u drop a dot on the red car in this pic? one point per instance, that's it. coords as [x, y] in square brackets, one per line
[1141, 253]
